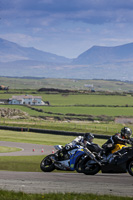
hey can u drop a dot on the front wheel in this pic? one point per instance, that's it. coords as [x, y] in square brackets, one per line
[47, 164]
[79, 163]
[78, 167]
[130, 168]
[89, 167]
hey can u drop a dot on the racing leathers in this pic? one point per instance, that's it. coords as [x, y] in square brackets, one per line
[114, 146]
[112, 141]
[80, 141]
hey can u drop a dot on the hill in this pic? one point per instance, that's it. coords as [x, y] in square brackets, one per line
[101, 55]
[97, 62]
[10, 52]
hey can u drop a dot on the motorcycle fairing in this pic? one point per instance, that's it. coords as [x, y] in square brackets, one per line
[73, 158]
[112, 168]
[118, 165]
[117, 147]
[130, 153]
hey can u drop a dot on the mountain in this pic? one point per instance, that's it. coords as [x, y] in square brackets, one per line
[97, 62]
[10, 51]
[100, 55]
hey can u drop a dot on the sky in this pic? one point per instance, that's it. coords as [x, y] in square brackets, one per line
[66, 27]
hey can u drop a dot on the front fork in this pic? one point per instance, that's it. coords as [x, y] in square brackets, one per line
[92, 156]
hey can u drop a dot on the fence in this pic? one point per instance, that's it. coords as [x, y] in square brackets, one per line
[46, 131]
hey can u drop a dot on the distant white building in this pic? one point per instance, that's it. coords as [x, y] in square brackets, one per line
[88, 85]
[26, 100]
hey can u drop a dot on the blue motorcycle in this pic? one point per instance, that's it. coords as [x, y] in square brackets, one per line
[64, 160]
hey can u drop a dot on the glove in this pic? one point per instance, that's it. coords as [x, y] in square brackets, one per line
[67, 147]
[128, 142]
[109, 145]
[79, 143]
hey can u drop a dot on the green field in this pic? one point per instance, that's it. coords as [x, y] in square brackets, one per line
[108, 111]
[75, 110]
[36, 83]
[100, 105]
[87, 99]
[79, 106]
[77, 99]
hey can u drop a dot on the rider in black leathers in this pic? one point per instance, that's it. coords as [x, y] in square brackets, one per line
[120, 139]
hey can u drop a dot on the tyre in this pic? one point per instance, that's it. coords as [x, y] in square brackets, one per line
[89, 167]
[78, 167]
[47, 164]
[130, 168]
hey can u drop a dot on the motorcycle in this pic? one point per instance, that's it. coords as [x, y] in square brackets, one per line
[122, 162]
[62, 160]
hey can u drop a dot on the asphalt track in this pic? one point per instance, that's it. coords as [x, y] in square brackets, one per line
[27, 149]
[40, 182]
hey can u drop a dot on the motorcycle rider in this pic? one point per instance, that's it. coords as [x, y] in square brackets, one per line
[81, 140]
[86, 141]
[116, 143]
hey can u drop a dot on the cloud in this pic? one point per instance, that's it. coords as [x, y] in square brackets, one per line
[66, 27]
[87, 11]
[21, 39]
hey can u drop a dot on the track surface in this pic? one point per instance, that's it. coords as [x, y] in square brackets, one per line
[27, 149]
[39, 182]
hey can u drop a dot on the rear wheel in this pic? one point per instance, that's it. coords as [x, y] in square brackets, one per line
[89, 167]
[130, 168]
[47, 164]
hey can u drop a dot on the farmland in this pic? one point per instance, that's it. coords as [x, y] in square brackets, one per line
[83, 105]
[74, 112]
[78, 109]
[77, 84]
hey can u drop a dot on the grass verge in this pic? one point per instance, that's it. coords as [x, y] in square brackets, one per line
[10, 195]
[4, 149]
[21, 163]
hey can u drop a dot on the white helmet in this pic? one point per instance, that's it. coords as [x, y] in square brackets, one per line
[126, 132]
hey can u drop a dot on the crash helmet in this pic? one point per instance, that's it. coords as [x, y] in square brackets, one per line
[88, 137]
[126, 132]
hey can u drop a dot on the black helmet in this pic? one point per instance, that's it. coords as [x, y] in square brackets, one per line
[88, 137]
[126, 132]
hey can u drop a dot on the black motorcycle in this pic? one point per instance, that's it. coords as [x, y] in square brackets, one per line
[122, 162]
